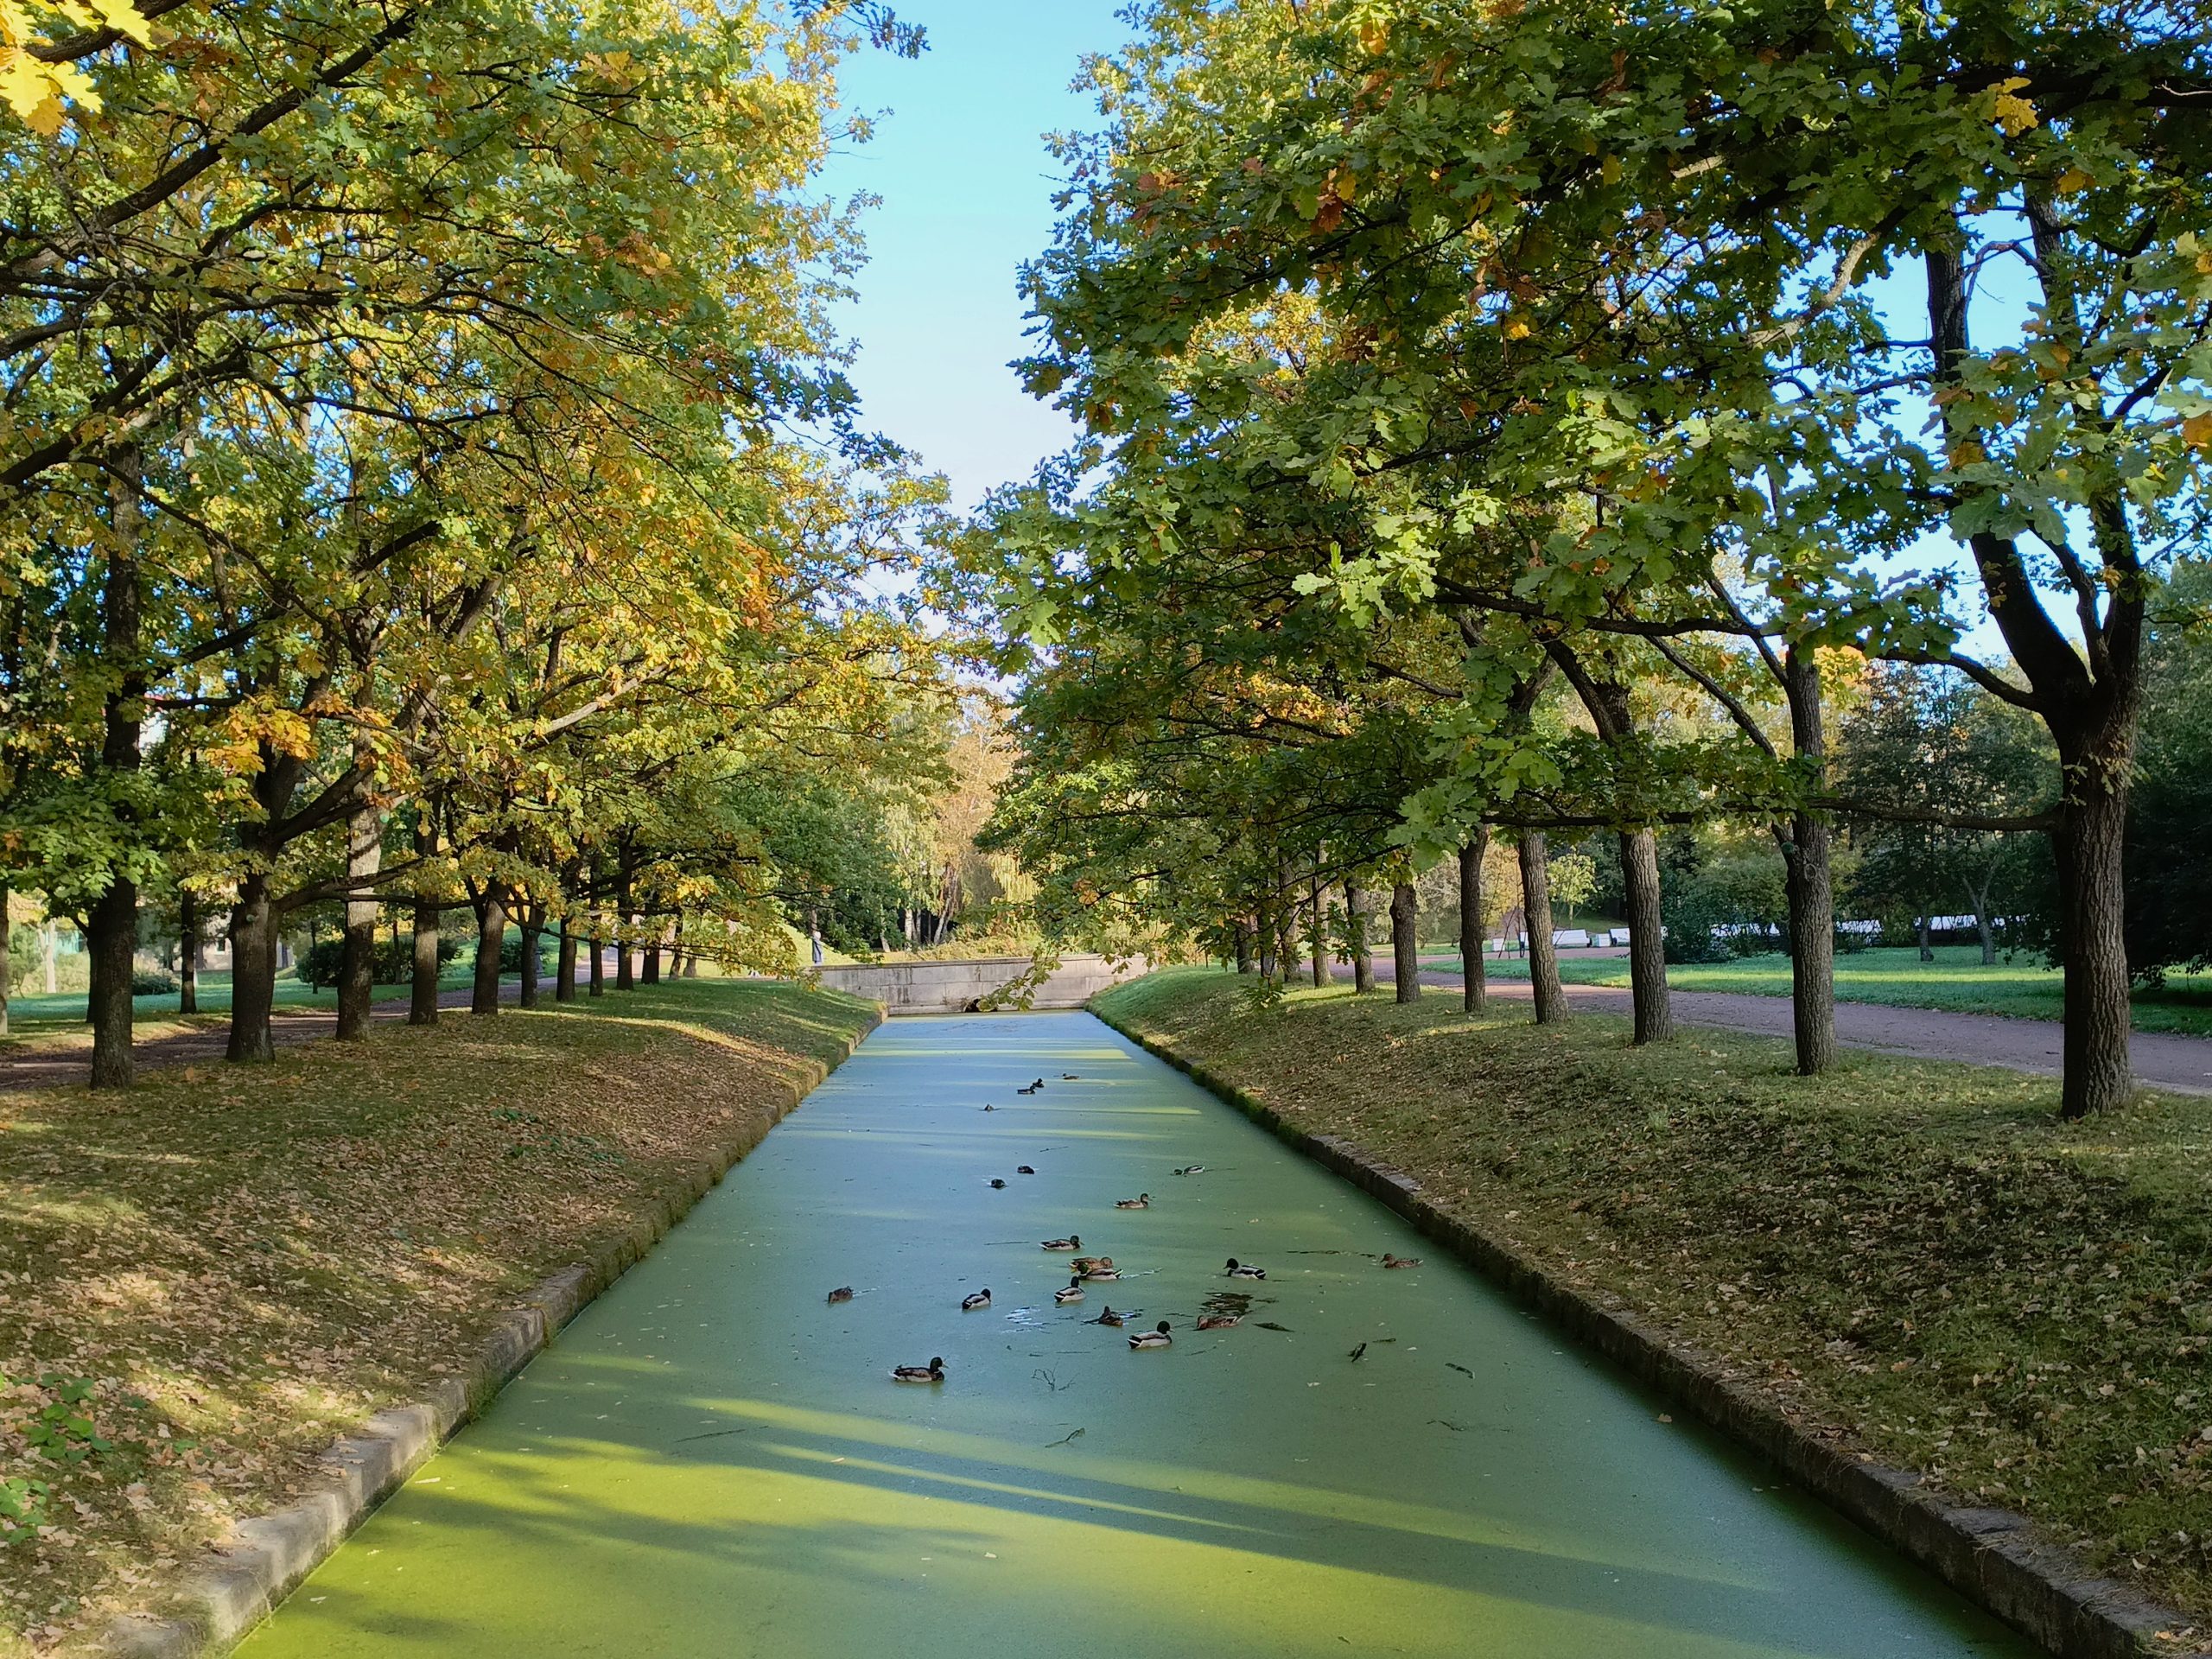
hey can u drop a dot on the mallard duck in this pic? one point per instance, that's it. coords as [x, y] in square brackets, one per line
[990, 1109]
[1390, 1261]
[1244, 1270]
[1156, 1338]
[1071, 1292]
[1192, 1169]
[932, 1372]
[1070, 1243]
[1023, 1169]
[981, 1299]
[1035, 1086]
[1107, 1317]
[843, 1294]
[1070, 1077]
[1142, 1201]
[1101, 1272]
[998, 1183]
[1025, 1091]
[1218, 1321]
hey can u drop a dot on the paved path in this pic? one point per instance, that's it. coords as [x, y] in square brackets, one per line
[2162, 1059]
[53, 1064]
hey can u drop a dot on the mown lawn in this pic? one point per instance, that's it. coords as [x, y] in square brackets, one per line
[206, 1279]
[1956, 980]
[1917, 1256]
[62, 1014]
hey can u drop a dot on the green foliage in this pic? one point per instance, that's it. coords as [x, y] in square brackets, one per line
[318, 965]
[2170, 823]
[23, 1500]
[62, 1431]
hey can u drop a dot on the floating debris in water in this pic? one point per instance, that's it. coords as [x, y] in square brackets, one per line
[1064, 1439]
[1358, 1351]
[1233, 1304]
[711, 1434]
[1443, 1422]
[1269, 1325]
[1462, 1369]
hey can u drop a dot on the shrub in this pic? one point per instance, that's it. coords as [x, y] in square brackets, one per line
[395, 959]
[152, 981]
[511, 953]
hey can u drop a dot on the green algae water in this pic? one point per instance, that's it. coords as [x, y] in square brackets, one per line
[712, 1460]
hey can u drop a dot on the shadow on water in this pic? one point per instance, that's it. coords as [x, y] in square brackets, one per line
[712, 1461]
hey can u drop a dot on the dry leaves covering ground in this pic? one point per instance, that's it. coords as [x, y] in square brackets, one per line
[205, 1280]
[1918, 1258]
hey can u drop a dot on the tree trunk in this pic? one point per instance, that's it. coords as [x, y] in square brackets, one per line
[1474, 984]
[652, 963]
[564, 966]
[1536, 910]
[112, 925]
[533, 930]
[253, 971]
[1927, 950]
[1241, 932]
[1978, 899]
[1317, 932]
[597, 963]
[491, 933]
[187, 955]
[1357, 906]
[1647, 943]
[1806, 865]
[1405, 945]
[6, 964]
[626, 955]
[49, 940]
[357, 966]
[1264, 926]
[1806, 862]
[423, 979]
[2092, 825]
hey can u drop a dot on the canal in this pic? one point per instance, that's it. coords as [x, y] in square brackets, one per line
[712, 1460]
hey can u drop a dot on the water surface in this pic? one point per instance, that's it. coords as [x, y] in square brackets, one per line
[712, 1461]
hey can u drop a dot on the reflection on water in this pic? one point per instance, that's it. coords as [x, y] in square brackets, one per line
[712, 1462]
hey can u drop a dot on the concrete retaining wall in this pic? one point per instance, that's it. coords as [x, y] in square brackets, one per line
[953, 987]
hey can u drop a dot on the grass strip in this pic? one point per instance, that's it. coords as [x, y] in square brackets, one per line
[1917, 1258]
[204, 1281]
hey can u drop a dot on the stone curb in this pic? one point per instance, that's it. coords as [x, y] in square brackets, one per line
[221, 1599]
[1994, 1558]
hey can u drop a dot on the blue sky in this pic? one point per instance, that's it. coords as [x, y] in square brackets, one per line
[966, 186]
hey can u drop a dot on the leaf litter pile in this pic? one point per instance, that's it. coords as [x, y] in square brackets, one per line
[1916, 1259]
[206, 1280]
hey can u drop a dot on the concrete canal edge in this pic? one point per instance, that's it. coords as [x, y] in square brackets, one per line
[220, 1598]
[1994, 1558]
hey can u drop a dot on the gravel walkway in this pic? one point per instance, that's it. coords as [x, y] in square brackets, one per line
[2162, 1059]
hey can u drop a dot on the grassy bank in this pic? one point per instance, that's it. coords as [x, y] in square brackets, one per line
[1917, 1257]
[206, 1279]
[1956, 980]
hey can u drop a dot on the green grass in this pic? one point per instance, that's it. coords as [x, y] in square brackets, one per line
[42, 1015]
[1916, 1255]
[235, 1264]
[1955, 980]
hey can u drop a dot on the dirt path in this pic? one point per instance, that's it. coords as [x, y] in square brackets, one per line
[2162, 1059]
[50, 1064]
